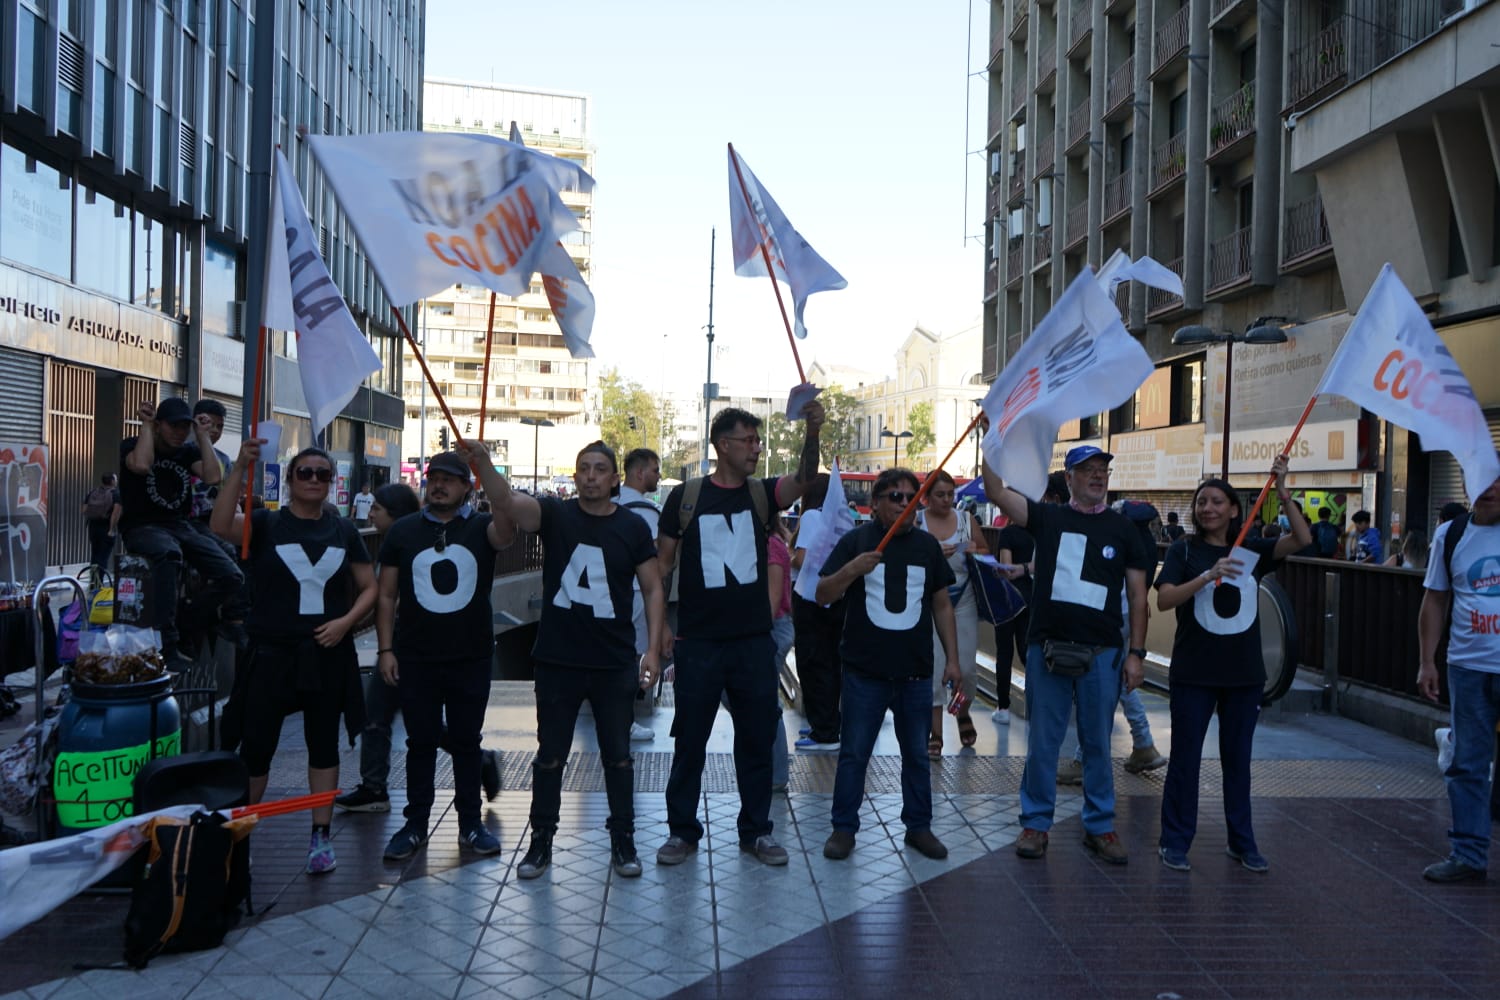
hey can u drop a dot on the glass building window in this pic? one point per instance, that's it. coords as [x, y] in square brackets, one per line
[220, 288]
[36, 213]
[104, 232]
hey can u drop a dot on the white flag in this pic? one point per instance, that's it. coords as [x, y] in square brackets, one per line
[569, 296]
[333, 356]
[835, 521]
[1146, 270]
[1392, 363]
[793, 259]
[1079, 361]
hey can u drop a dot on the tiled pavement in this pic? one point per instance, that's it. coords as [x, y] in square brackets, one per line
[1347, 816]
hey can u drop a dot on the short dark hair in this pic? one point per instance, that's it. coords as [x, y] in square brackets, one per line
[1450, 510]
[1171, 517]
[398, 499]
[600, 448]
[1325, 513]
[639, 457]
[1057, 486]
[212, 407]
[890, 477]
[728, 419]
[108, 479]
[1361, 517]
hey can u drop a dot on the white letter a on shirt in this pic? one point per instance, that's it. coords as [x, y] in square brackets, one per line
[587, 561]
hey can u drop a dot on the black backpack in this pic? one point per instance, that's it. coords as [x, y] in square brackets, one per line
[98, 504]
[1326, 538]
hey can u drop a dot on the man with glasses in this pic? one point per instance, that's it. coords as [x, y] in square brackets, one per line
[724, 644]
[895, 598]
[1085, 554]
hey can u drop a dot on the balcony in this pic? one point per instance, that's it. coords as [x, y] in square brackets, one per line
[1159, 302]
[1122, 302]
[1112, 7]
[1229, 260]
[1080, 25]
[1356, 45]
[1171, 39]
[991, 280]
[1079, 120]
[994, 199]
[1225, 13]
[1017, 186]
[1018, 20]
[1076, 228]
[1120, 90]
[1013, 249]
[1017, 98]
[997, 118]
[1306, 232]
[1042, 251]
[1046, 69]
[1232, 121]
[1319, 66]
[1168, 162]
[1046, 154]
[1116, 196]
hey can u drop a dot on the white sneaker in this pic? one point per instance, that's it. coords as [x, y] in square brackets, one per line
[1001, 715]
[641, 734]
[1444, 740]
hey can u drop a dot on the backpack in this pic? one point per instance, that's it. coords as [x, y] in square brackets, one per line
[690, 492]
[1326, 538]
[99, 502]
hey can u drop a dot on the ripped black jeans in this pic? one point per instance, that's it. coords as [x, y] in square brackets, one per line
[560, 692]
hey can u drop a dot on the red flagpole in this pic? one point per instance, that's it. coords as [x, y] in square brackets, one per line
[484, 379]
[260, 371]
[1271, 481]
[927, 484]
[770, 269]
[417, 353]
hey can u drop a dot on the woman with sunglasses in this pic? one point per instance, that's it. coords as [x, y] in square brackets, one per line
[958, 533]
[311, 583]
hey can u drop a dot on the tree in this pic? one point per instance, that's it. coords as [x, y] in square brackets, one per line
[622, 400]
[783, 444]
[919, 422]
[840, 428]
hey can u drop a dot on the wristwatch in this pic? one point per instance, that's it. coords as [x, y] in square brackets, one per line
[1137, 651]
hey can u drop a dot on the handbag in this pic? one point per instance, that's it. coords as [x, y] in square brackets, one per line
[998, 599]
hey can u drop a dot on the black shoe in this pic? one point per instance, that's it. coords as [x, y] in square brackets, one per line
[838, 845]
[407, 841]
[1453, 870]
[365, 799]
[622, 856]
[538, 855]
[926, 843]
[489, 774]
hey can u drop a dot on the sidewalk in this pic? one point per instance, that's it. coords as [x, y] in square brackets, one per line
[1347, 815]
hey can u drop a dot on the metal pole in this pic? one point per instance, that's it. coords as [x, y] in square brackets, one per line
[895, 451]
[536, 458]
[708, 379]
[422, 413]
[1331, 643]
[1228, 380]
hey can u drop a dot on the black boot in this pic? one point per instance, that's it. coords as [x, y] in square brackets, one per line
[622, 856]
[538, 856]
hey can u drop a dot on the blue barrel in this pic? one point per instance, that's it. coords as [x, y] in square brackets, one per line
[103, 738]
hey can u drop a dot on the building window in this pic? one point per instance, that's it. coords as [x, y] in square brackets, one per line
[104, 232]
[1187, 392]
[36, 213]
[220, 288]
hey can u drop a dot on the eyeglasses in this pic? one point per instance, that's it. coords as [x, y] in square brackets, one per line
[442, 540]
[749, 440]
[895, 497]
[307, 473]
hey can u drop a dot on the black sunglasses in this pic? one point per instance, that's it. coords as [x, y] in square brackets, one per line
[307, 472]
[895, 497]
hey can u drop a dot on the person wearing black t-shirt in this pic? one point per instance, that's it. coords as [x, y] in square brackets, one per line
[724, 642]
[1217, 665]
[435, 632]
[894, 598]
[312, 583]
[1086, 554]
[593, 554]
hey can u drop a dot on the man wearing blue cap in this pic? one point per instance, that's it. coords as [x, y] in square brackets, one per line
[1085, 554]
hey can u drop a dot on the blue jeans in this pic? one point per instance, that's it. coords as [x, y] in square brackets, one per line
[1048, 700]
[1134, 711]
[1193, 708]
[866, 700]
[1475, 697]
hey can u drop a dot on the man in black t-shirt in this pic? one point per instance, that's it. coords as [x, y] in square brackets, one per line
[593, 554]
[436, 635]
[894, 598]
[1086, 554]
[724, 644]
[156, 501]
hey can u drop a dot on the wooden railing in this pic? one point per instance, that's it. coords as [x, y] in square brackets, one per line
[1229, 259]
[1121, 86]
[1171, 38]
[1116, 195]
[1233, 119]
[1306, 230]
[1158, 300]
[1169, 160]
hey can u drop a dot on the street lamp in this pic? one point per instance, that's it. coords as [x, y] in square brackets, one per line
[896, 448]
[536, 424]
[1265, 330]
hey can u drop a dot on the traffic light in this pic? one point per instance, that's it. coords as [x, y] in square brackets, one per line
[443, 437]
[632, 422]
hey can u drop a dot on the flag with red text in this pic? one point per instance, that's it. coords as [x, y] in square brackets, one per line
[1392, 362]
[1078, 362]
[756, 222]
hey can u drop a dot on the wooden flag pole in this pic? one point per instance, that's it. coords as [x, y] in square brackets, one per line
[260, 373]
[1271, 481]
[484, 378]
[922, 490]
[417, 353]
[770, 269]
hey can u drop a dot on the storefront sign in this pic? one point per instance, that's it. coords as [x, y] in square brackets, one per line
[1170, 458]
[23, 513]
[1153, 400]
[223, 364]
[1326, 446]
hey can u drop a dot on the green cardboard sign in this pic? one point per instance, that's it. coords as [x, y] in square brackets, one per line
[97, 787]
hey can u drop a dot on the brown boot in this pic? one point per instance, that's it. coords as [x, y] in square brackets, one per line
[1031, 844]
[1144, 759]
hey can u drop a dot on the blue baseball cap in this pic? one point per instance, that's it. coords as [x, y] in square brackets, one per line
[1084, 452]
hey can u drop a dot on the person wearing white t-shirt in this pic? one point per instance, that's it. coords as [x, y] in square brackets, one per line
[364, 500]
[1472, 584]
[642, 476]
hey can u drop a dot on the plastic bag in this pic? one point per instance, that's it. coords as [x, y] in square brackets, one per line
[120, 654]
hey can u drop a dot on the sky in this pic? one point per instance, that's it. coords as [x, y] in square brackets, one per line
[859, 119]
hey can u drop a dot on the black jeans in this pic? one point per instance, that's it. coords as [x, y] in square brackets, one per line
[166, 546]
[1011, 635]
[819, 667]
[560, 691]
[706, 669]
[461, 688]
[101, 543]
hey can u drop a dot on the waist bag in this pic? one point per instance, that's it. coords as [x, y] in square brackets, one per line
[1068, 659]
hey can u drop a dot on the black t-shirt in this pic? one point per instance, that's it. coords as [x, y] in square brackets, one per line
[301, 572]
[588, 566]
[722, 589]
[888, 612]
[164, 493]
[1218, 638]
[1022, 548]
[444, 611]
[1081, 561]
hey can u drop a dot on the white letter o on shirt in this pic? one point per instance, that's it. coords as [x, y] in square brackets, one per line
[426, 590]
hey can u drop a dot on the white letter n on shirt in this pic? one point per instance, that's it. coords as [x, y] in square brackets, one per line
[727, 544]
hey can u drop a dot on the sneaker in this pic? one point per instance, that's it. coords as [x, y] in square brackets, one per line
[1144, 759]
[538, 855]
[804, 730]
[838, 845]
[675, 851]
[1001, 715]
[1453, 870]
[1107, 847]
[1031, 844]
[766, 851]
[364, 799]
[320, 859]
[1175, 859]
[809, 744]
[1070, 772]
[489, 774]
[1251, 861]
[407, 841]
[1444, 740]
[622, 856]
[479, 840]
[925, 842]
[641, 734]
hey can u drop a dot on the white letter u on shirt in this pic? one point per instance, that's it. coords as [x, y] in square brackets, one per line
[876, 604]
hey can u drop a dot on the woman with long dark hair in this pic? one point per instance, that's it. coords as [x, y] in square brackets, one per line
[1217, 666]
[958, 533]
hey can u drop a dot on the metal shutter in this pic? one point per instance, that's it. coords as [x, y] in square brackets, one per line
[70, 426]
[23, 376]
[1445, 480]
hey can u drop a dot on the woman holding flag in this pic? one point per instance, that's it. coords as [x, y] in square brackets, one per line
[959, 534]
[1217, 666]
